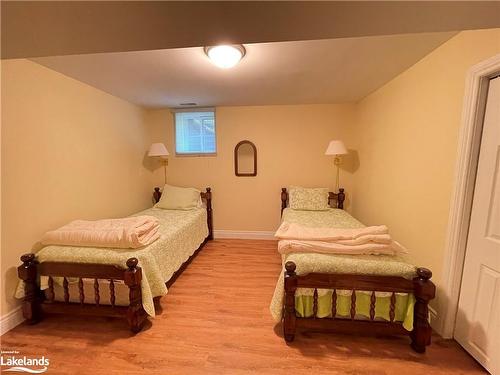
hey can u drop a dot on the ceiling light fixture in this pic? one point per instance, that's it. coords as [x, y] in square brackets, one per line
[225, 56]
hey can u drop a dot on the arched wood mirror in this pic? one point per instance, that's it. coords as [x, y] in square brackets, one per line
[245, 159]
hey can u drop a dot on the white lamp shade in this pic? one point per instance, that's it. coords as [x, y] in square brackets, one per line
[158, 149]
[336, 147]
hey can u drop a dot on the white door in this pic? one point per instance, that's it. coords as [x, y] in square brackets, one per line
[478, 318]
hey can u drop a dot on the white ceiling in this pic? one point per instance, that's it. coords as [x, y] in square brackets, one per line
[318, 71]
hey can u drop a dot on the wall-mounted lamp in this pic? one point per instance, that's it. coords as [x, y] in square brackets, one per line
[336, 148]
[159, 151]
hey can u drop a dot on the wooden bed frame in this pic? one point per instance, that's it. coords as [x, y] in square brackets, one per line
[422, 288]
[34, 298]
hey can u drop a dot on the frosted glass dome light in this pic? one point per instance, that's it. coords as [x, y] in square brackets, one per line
[225, 56]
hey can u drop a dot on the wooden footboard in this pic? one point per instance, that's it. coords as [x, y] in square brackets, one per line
[34, 297]
[421, 287]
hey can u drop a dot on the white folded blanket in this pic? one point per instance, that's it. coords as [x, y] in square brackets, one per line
[130, 232]
[355, 241]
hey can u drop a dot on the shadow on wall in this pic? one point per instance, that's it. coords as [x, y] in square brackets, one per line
[350, 162]
[151, 164]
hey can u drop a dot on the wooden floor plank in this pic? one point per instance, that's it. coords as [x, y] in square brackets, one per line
[215, 320]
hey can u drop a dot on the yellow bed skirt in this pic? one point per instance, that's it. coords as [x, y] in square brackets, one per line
[403, 311]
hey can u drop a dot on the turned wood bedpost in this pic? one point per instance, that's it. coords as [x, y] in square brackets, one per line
[340, 199]
[284, 198]
[32, 309]
[157, 195]
[424, 291]
[208, 197]
[289, 316]
[132, 278]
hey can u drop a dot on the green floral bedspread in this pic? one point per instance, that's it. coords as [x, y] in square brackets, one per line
[332, 218]
[181, 233]
[382, 265]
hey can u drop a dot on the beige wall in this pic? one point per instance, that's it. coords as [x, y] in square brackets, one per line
[63, 141]
[290, 140]
[68, 151]
[407, 135]
[1, 179]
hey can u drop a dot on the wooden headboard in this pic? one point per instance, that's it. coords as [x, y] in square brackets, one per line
[339, 198]
[207, 196]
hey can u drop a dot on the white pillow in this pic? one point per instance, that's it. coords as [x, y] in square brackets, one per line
[179, 198]
[310, 199]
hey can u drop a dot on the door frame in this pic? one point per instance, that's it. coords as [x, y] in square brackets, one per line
[476, 90]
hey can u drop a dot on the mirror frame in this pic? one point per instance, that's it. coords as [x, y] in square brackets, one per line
[238, 174]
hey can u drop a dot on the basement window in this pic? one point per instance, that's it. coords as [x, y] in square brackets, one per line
[195, 132]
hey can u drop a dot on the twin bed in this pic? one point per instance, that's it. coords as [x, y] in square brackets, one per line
[111, 281]
[365, 293]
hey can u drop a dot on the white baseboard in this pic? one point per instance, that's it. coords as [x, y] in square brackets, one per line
[11, 319]
[244, 234]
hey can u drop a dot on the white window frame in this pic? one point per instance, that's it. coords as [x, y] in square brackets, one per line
[194, 109]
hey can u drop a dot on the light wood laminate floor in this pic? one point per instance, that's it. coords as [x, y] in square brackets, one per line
[216, 320]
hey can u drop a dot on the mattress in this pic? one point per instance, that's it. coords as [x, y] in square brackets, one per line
[181, 233]
[381, 265]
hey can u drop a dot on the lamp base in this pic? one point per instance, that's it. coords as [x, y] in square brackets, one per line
[337, 181]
